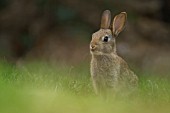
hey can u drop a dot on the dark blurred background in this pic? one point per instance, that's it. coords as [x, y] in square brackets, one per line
[60, 31]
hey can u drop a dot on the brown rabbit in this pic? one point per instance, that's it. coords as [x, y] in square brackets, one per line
[109, 71]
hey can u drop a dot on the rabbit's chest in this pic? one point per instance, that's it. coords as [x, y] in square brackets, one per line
[105, 72]
[105, 68]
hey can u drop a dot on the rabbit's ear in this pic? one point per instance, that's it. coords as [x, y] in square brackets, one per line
[106, 19]
[119, 23]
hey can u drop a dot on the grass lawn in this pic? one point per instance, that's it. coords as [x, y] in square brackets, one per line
[43, 88]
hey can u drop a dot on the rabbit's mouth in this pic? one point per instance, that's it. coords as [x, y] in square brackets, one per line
[95, 52]
[92, 49]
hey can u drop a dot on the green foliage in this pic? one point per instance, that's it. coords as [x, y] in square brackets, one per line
[44, 88]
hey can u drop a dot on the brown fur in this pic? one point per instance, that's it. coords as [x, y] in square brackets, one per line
[109, 71]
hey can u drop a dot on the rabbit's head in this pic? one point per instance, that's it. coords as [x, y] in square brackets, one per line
[103, 41]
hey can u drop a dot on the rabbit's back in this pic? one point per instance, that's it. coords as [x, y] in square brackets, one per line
[127, 75]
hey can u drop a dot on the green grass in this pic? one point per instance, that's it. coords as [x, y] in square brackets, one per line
[44, 88]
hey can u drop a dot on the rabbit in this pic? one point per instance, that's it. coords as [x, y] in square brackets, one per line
[109, 72]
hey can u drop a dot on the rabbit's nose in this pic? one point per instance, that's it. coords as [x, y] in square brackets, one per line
[92, 47]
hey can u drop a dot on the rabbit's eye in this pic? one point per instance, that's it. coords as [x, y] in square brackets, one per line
[106, 38]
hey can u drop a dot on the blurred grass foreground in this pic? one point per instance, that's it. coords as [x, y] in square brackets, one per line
[43, 88]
